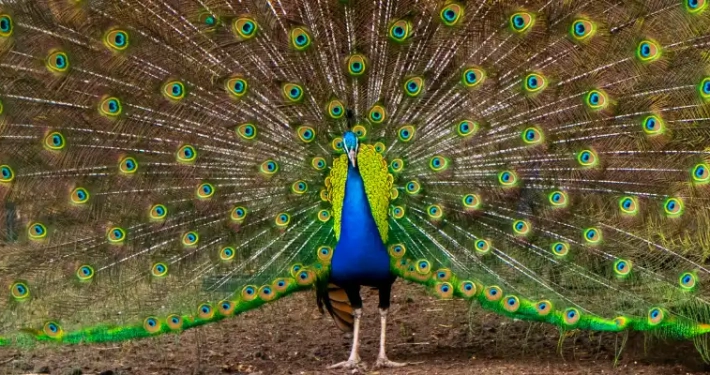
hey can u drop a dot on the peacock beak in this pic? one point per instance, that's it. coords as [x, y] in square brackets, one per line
[352, 155]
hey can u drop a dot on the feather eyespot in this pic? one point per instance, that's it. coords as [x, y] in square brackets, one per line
[507, 178]
[306, 133]
[582, 29]
[152, 325]
[571, 316]
[622, 268]
[158, 212]
[423, 266]
[701, 173]
[128, 165]
[543, 308]
[305, 277]
[245, 28]
[596, 100]
[36, 231]
[511, 304]
[54, 141]
[648, 51]
[335, 109]
[521, 22]
[281, 285]
[400, 31]
[482, 246]
[226, 308]
[204, 311]
[397, 250]
[532, 136]
[293, 92]
[473, 77]
[688, 281]
[236, 86]
[6, 173]
[174, 90]
[282, 219]
[655, 316]
[493, 293]
[7, 26]
[397, 212]
[300, 38]
[85, 273]
[435, 212]
[444, 290]
[186, 154]
[357, 65]
[57, 62]
[521, 227]
[471, 201]
[318, 163]
[560, 249]
[360, 131]
[324, 215]
[558, 199]
[246, 131]
[587, 158]
[377, 114]
[53, 330]
[190, 239]
[238, 214]
[269, 168]
[397, 165]
[592, 235]
[159, 269]
[413, 187]
[443, 274]
[438, 163]
[205, 190]
[19, 291]
[406, 133]
[266, 293]
[110, 107]
[116, 40]
[414, 86]
[379, 147]
[79, 195]
[299, 187]
[174, 322]
[653, 125]
[534, 83]
[629, 205]
[451, 14]
[673, 207]
[325, 253]
[465, 128]
[467, 289]
[227, 253]
[693, 6]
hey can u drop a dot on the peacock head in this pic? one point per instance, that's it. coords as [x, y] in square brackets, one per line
[350, 143]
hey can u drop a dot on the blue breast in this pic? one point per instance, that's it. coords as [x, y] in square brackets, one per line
[360, 257]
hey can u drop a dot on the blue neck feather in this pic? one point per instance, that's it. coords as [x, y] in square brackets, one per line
[360, 257]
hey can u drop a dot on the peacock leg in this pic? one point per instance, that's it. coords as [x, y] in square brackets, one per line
[382, 360]
[354, 360]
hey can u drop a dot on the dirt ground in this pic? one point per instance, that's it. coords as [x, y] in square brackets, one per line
[439, 337]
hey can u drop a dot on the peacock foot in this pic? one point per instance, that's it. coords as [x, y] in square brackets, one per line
[383, 362]
[350, 364]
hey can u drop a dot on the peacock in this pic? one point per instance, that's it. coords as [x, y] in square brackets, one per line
[167, 164]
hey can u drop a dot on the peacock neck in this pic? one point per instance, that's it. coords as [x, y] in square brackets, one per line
[360, 255]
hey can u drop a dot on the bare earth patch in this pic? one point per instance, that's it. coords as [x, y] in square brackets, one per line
[291, 337]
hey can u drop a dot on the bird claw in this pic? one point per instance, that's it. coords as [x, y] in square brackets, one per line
[383, 362]
[350, 364]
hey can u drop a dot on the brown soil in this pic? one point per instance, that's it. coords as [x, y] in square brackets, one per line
[291, 337]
